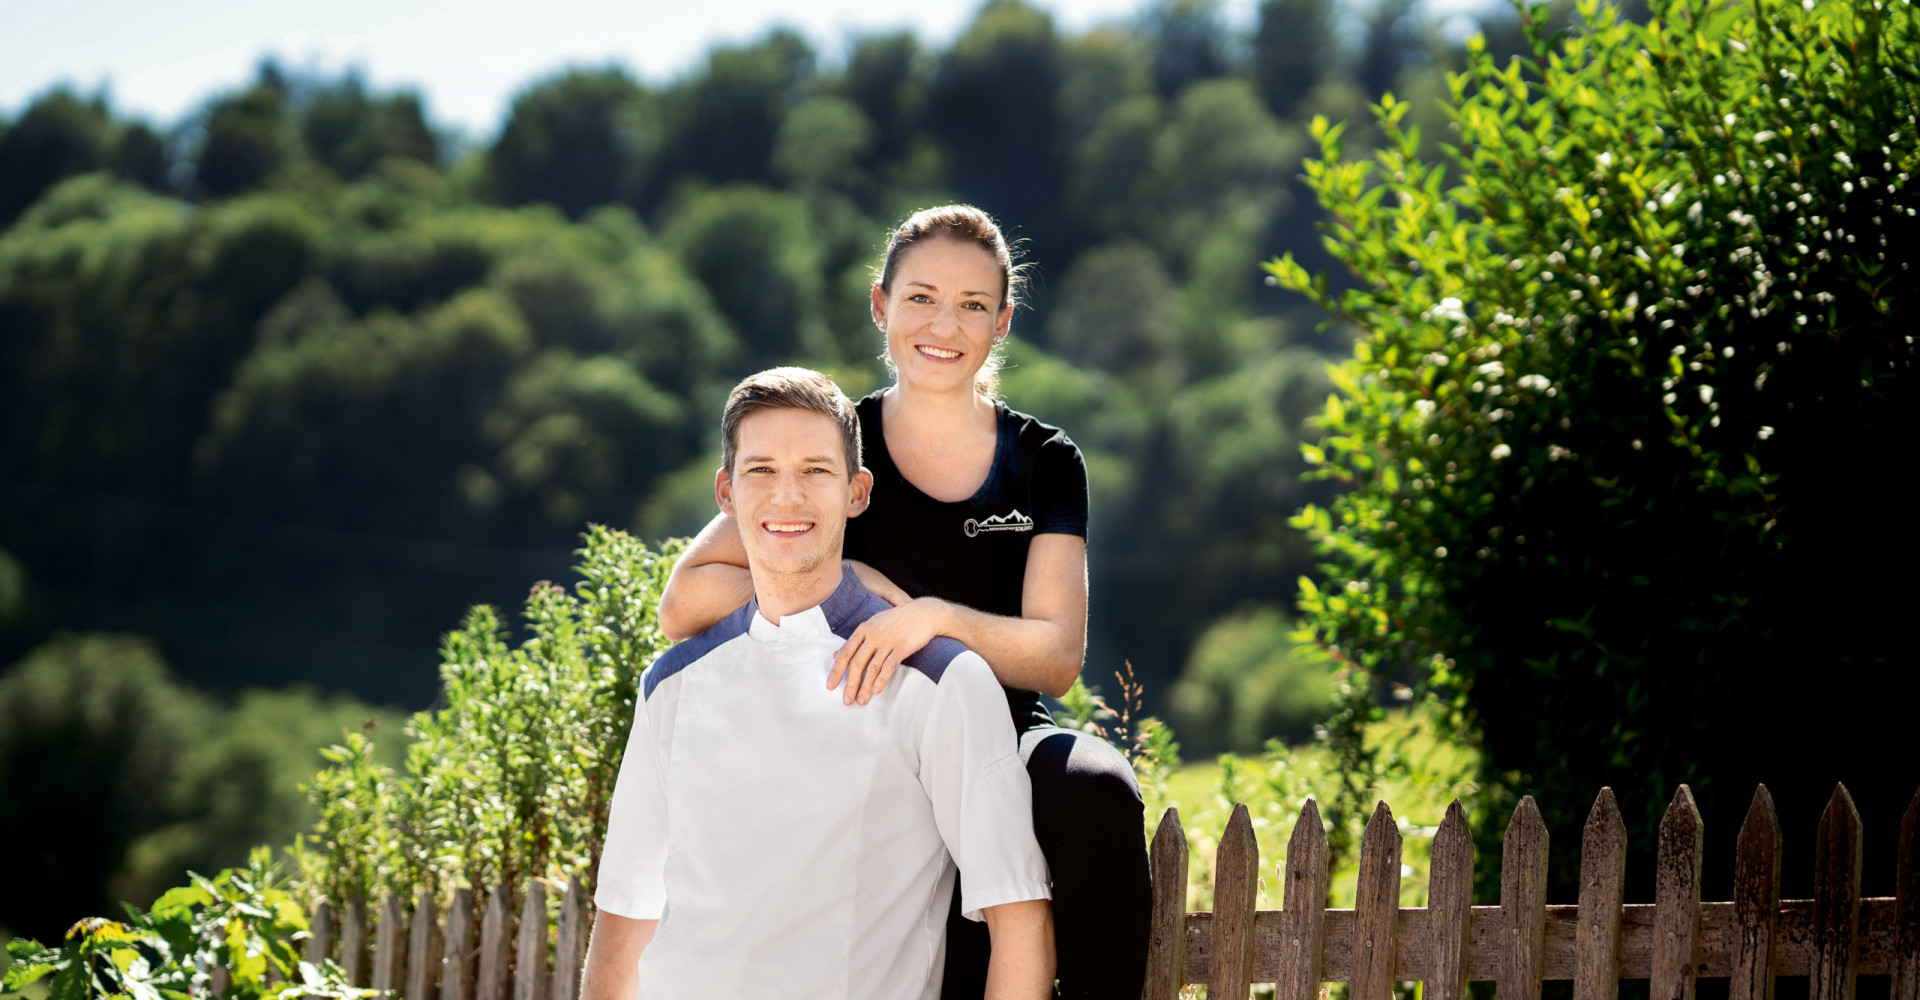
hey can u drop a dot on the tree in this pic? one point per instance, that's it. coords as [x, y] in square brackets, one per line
[581, 139]
[1618, 405]
[724, 122]
[1294, 48]
[348, 130]
[57, 136]
[247, 137]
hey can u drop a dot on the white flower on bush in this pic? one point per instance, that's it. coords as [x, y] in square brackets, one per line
[1537, 383]
[1555, 453]
[1492, 369]
[1449, 308]
[1500, 451]
[1424, 407]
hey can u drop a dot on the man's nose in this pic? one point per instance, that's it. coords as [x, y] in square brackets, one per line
[786, 489]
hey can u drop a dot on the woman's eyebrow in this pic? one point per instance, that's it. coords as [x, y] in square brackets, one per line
[925, 285]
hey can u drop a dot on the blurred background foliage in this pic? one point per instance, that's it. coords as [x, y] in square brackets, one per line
[289, 384]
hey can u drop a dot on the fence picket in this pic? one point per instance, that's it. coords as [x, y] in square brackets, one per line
[1836, 899]
[320, 945]
[530, 961]
[1236, 886]
[353, 943]
[1303, 922]
[1756, 900]
[390, 946]
[1676, 899]
[1603, 883]
[423, 949]
[570, 943]
[496, 948]
[1167, 941]
[1376, 906]
[1906, 907]
[1523, 902]
[1449, 900]
[456, 958]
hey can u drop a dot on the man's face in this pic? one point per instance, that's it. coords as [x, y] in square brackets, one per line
[790, 491]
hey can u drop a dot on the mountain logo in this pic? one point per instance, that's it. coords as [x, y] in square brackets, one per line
[1011, 521]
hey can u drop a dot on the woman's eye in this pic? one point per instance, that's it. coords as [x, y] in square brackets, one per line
[977, 306]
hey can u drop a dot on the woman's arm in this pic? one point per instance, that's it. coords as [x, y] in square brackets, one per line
[1023, 962]
[708, 583]
[1039, 651]
[711, 580]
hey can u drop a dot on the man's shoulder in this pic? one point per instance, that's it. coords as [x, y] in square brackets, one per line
[931, 660]
[685, 654]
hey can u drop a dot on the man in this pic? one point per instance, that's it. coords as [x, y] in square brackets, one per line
[768, 841]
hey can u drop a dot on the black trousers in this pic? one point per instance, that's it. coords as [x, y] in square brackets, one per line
[1087, 816]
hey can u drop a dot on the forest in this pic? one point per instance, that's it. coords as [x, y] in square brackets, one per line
[289, 385]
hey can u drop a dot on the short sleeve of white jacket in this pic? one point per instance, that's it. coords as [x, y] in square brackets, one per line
[632, 880]
[982, 800]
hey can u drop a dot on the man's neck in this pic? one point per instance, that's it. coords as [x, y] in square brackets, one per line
[782, 594]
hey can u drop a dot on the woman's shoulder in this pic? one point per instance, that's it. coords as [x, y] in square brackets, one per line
[1034, 434]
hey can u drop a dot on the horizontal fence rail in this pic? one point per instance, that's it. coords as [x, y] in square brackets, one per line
[1673, 941]
[507, 949]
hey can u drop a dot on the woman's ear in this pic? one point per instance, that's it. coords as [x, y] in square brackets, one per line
[877, 306]
[1003, 325]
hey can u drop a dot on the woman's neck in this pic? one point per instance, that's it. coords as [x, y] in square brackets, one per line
[916, 412]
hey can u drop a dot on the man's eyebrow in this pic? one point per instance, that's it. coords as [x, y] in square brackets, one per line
[809, 460]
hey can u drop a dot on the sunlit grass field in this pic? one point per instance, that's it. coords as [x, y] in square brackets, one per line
[1274, 785]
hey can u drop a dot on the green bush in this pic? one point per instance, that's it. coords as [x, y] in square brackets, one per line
[512, 776]
[1616, 430]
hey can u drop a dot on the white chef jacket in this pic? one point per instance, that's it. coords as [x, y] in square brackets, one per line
[797, 847]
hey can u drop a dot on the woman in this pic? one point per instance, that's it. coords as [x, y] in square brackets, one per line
[977, 531]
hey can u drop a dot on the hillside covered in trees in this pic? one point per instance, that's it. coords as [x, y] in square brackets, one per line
[289, 384]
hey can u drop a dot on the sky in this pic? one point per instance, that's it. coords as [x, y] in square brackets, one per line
[467, 58]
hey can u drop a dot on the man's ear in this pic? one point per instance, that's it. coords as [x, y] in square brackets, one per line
[723, 492]
[862, 492]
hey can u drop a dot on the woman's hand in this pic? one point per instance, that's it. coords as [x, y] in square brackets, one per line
[877, 647]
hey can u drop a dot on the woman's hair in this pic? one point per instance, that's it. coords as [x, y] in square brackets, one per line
[966, 224]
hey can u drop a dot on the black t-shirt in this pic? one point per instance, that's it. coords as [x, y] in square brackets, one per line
[973, 551]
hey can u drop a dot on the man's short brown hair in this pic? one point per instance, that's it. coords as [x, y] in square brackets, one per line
[789, 389]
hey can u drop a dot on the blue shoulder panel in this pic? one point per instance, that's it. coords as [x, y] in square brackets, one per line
[685, 654]
[852, 604]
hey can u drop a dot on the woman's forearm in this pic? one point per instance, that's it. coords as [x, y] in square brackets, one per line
[1023, 962]
[709, 582]
[1035, 654]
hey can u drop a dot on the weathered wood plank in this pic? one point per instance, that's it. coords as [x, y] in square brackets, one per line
[1303, 925]
[530, 960]
[1603, 885]
[1167, 937]
[390, 946]
[1836, 899]
[423, 950]
[1236, 884]
[353, 943]
[570, 943]
[456, 956]
[1676, 899]
[1906, 915]
[1376, 906]
[1449, 901]
[496, 948]
[1793, 949]
[1756, 901]
[1523, 903]
[320, 926]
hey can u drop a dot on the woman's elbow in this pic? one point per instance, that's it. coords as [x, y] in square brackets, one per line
[1064, 671]
[673, 618]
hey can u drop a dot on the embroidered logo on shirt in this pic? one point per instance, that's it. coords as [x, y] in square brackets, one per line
[1011, 521]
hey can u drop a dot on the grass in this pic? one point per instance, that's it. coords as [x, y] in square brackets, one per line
[1427, 771]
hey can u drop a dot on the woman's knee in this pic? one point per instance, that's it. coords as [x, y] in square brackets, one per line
[1080, 779]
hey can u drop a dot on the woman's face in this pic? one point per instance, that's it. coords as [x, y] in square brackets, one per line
[944, 313]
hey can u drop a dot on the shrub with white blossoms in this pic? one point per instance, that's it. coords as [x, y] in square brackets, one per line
[1635, 357]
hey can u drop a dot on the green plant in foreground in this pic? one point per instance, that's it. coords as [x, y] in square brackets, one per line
[242, 920]
[513, 776]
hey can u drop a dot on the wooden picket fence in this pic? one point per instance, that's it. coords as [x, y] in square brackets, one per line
[1832, 938]
[419, 957]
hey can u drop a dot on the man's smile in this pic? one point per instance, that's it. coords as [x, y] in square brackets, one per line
[787, 527]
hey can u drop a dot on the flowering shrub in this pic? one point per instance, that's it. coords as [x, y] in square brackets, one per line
[1630, 358]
